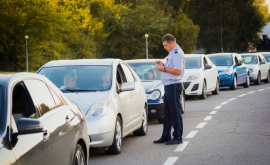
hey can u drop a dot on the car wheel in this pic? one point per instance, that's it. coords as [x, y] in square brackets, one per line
[267, 79]
[216, 91]
[258, 81]
[115, 148]
[143, 129]
[79, 156]
[203, 95]
[182, 101]
[160, 120]
[246, 85]
[233, 86]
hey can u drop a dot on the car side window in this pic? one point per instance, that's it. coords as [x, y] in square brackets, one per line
[208, 61]
[260, 60]
[41, 96]
[240, 59]
[120, 77]
[263, 59]
[205, 61]
[128, 73]
[58, 100]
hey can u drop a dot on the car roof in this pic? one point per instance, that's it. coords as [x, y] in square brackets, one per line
[194, 55]
[107, 61]
[12, 77]
[254, 54]
[142, 60]
[222, 54]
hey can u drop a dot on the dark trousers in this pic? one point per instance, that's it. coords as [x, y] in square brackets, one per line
[172, 112]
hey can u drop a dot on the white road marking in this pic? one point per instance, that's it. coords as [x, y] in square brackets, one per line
[181, 147]
[261, 90]
[191, 134]
[241, 95]
[217, 107]
[201, 125]
[170, 160]
[251, 91]
[207, 118]
[225, 102]
[232, 99]
[213, 112]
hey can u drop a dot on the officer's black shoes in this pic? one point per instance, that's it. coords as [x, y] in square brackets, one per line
[173, 141]
[161, 140]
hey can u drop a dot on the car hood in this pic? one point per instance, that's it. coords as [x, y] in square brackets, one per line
[86, 99]
[251, 66]
[223, 68]
[151, 85]
[189, 72]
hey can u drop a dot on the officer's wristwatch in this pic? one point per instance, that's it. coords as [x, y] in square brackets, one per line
[164, 69]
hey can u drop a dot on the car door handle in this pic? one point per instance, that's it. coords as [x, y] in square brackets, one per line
[46, 135]
[67, 119]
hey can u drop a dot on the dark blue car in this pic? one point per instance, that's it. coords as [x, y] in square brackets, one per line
[150, 77]
[231, 69]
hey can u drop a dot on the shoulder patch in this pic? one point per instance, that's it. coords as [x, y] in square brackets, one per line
[175, 51]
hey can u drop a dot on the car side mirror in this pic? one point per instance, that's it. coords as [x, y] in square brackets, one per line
[262, 62]
[127, 87]
[27, 125]
[207, 66]
[238, 64]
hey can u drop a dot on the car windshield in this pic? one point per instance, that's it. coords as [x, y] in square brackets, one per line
[193, 63]
[250, 59]
[146, 71]
[79, 78]
[221, 60]
[267, 57]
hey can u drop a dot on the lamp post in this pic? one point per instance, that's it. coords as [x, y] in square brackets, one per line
[26, 38]
[146, 36]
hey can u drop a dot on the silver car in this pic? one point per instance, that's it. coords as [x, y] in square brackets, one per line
[38, 124]
[267, 57]
[257, 66]
[110, 94]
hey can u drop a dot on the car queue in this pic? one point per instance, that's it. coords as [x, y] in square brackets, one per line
[95, 103]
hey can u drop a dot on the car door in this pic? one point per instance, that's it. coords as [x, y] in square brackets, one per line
[57, 117]
[208, 75]
[29, 148]
[239, 70]
[263, 67]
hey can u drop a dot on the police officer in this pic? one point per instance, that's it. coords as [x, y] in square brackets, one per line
[172, 72]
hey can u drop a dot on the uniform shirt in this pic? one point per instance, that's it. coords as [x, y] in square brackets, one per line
[175, 60]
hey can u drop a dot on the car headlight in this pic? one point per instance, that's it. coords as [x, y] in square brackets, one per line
[154, 95]
[194, 77]
[226, 72]
[98, 109]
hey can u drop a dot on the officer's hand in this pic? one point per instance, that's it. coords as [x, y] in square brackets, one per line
[158, 62]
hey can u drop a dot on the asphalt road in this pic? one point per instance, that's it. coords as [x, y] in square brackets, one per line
[226, 129]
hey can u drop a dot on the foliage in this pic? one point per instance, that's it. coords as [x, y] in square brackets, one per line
[233, 25]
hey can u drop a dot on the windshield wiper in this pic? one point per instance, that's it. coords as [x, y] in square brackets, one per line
[80, 90]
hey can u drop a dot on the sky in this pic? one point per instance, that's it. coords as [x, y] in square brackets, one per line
[268, 2]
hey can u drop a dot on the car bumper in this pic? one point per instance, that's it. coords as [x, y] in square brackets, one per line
[193, 87]
[155, 111]
[101, 130]
[253, 76]
[225, 80]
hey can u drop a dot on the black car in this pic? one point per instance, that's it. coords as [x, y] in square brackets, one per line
[150, 77]
[38, 124]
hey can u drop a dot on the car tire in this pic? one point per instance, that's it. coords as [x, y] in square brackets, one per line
[115, 148]
[79, 156]
[160, 120]
[233, 86]
[246, 85]
[268, 78]
[203, 95]
[143, 129]
[182, 101]
[216, 91]
[258, 81]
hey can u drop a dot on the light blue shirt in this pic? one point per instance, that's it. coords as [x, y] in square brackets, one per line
[175, 60]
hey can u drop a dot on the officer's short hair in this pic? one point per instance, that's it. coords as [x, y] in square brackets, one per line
[168, 38]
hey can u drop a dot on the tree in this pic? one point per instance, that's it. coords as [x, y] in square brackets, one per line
[229, 24]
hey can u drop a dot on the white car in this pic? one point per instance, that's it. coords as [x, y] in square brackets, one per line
[201, 76]
[110, 94]
[267, 57]
[257, 66]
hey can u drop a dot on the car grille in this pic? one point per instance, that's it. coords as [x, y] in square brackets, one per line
[195, 87]
[186, 84]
